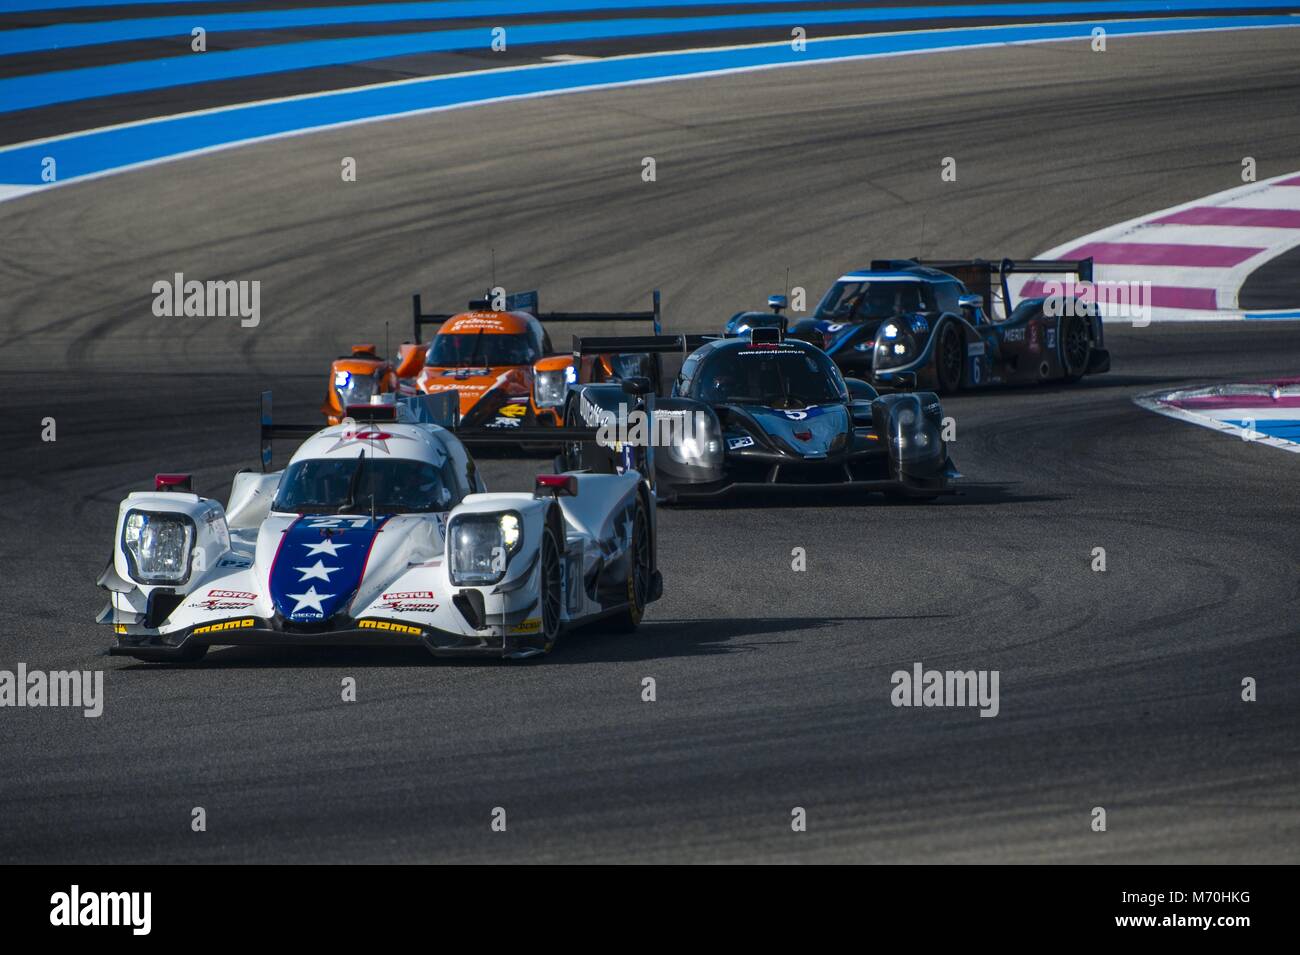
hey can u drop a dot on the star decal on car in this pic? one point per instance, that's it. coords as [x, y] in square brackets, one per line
[324, 547]
[317, 571]
[368, 437]
[309, 599]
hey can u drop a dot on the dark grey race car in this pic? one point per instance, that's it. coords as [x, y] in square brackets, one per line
[761, 412]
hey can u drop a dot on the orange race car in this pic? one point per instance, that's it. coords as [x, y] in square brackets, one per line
[500, 361]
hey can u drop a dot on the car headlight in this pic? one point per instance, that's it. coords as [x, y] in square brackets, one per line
[691, 440]
[510, 531]
[913, 435]
[894, 349]
[354, 389]
[158, 546]
[549, 387]
[479, 547]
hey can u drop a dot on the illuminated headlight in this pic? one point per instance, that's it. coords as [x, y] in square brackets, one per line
[895, 346]
[510, 532]
[354, 389]
[696, 445]
[919, 440]
[158, 546]
[548, 388]
[479, 547]
[695, 449]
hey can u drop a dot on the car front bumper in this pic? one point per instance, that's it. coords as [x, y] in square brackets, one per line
[491, 641]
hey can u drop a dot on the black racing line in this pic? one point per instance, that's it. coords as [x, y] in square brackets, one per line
[1119, 689]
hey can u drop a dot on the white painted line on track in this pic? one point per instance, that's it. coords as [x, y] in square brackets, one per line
[1245, 411]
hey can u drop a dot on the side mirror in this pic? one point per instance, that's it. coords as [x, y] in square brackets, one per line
[903, 380]
[778, 303]
[410, 359]
[973, 302]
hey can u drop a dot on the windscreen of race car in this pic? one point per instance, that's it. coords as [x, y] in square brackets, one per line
[346, 485]
[875, 299]
[477, 349]
[772, 377]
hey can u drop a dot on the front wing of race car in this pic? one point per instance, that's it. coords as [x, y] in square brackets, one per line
[894, 443]
[865, 468]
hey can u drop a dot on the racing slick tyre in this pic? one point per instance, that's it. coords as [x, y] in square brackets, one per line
[551, 594]
[639, 572]
[1076, 348]
[948, 359]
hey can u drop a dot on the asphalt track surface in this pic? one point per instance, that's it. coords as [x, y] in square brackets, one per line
[1118, 689]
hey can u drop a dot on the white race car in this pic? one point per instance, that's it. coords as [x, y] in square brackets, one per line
[379, 531]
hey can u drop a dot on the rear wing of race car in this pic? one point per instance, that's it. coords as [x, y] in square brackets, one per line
[654, 315]
[654, 345]
[978, 274]
[270, 431]
[423, 318]
[529, 302]
[515, 302]
[637, 344]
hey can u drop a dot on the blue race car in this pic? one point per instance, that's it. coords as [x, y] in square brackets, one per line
[937, 321]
